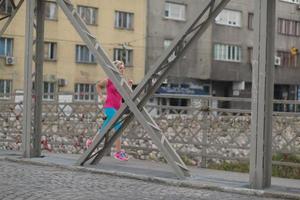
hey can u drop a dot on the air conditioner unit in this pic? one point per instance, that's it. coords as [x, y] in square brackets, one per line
[277, 61]
[9, 60]
[62, 82]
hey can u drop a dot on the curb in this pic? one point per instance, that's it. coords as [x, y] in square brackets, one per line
[158, 180]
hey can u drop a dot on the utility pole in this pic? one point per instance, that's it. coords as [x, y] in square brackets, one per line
[262, 94]
[39, 59]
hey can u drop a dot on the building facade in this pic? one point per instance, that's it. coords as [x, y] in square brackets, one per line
[119, 25]
[219, 64]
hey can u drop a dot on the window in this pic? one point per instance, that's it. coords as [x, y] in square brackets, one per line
[83, 55]
[88, 14]
[174, 102]
[84, 92]
[174, 11]
[6, 46]
[292, 1]
[5, 89]
[51, 10]
[178, 102]
[50, 51]
[287, 59]
[48, 91]
[227, 52]
[6, 7]
[123, 20]
[250, 55]
[229, 18]
[126, 55]
[167, 43]
[288, 27]
[250, 21]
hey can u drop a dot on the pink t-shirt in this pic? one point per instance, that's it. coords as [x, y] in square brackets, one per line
[113, 98]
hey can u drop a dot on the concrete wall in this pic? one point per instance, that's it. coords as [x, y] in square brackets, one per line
[283, 74]
[230, 71]
[216, 134]
[196, 62]
[241, 36]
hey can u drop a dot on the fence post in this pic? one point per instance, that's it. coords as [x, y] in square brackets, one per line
[36, 139]
[262, 95]
[206, 127]
[27, 110]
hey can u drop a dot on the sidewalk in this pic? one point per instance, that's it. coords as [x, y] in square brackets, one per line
[161, 173]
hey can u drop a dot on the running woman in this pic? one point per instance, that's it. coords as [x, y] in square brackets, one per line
[112, 104]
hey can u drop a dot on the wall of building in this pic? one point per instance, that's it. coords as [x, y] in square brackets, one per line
[63, 33]
[16, 30]
[231, 71]
[240, 36]
[283, 74]
[199, 62]
[196, 62]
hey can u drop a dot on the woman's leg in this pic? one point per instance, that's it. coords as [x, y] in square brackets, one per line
[110, 112]
[118, 144]
[118, 141]
[122, 154]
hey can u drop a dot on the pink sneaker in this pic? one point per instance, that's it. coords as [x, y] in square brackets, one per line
[88, 143]
[124, 155]
[119, 156]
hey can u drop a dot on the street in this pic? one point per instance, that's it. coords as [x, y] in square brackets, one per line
[23, 181]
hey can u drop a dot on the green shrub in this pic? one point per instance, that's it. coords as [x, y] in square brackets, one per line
[277, 170]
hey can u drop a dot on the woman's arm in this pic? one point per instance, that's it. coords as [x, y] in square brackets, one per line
[130, 82]
[99, 87]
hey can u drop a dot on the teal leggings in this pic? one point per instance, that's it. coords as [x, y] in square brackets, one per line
[110, 113]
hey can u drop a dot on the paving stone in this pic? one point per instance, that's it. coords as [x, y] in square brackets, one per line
[29, 182]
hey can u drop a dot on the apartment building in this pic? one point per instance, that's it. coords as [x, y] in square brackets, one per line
[119, 25]
[219, 64]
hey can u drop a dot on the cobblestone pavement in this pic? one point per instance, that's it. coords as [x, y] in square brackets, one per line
[23, 181]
